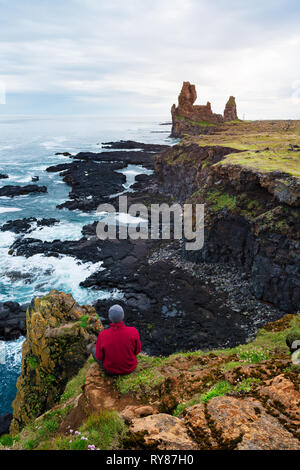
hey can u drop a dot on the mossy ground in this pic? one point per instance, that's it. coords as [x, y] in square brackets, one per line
[266, 145]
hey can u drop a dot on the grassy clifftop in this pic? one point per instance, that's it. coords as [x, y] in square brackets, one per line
[174, 390]
[266, 145]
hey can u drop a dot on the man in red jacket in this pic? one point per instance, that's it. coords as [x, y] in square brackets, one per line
[118, 346]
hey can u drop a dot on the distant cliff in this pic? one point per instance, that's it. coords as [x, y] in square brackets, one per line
[197, 119]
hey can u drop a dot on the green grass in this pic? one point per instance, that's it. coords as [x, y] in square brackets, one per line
[103, 431]
[254, 356]
[84, 321]
[218, 390]
[266, 161]
[144, 378]
[6, 440]
[231, 365]
[73, 387]
[41, 431]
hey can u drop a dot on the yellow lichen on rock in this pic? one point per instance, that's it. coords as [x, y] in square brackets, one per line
[54, 351]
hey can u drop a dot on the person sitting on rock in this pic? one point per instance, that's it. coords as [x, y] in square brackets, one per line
[118, 346]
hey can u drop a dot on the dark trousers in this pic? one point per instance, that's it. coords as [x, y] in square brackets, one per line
[101, 363]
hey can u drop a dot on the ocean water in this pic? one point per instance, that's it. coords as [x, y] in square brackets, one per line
[27, 147]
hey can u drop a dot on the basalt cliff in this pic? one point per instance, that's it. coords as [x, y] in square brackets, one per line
[247, 174]
[194, 119]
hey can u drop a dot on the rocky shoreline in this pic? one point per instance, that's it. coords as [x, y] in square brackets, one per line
[175, 303]
[178, 302]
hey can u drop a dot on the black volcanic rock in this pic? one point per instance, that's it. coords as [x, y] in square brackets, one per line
[125, 157]
[3, 176]
[93, 176]
[131, 145]
[12, 320]
[84, 249]
[92, 183]
[25, 225]
[170, 308]
[12, 191]
[59, 167]
[5, 421]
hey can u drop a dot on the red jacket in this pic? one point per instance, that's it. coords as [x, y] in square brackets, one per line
[117, 348]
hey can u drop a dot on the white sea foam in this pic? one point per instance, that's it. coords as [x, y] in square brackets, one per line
[10, 352]
[61, 231]
[9, 209]
[22, 279]
[131, 171]
[21, 179]
[120, 217]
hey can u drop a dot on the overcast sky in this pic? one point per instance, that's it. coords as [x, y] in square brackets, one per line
[129, 57]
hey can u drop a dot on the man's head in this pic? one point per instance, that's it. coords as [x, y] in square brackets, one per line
[116, 314]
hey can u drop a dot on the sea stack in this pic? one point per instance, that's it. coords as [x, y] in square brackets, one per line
[230, 112]
[197, 119]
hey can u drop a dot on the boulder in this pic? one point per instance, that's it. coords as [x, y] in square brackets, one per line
[239, 424]
[293, 341]
[160, 431]
[282, 394]
[131, 412]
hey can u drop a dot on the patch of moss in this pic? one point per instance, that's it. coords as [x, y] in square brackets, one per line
[84, 321]
[219, 200]
[265, 161]
[33, 362]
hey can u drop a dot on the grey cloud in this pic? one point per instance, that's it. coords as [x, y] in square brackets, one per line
[94, 49]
